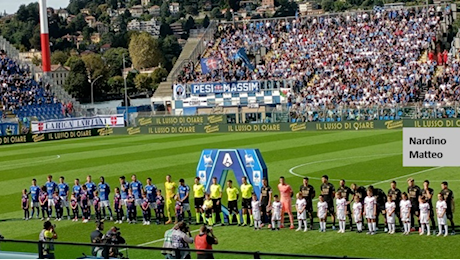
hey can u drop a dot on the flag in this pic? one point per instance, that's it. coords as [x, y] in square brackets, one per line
[241, 54]
[209, 64]
[284, 92]
[378, 9]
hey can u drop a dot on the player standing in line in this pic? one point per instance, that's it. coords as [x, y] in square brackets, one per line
[198, 194]
[370, 211]
[74, 206]
[97, 206]
[84, 201]
[308, 193]
[255, 205]
[151, 191]
[341, 211]
[345, 192]
[184, 195]
[413, 191]
[159, 212]
[265, 202]
[170, 188]
[232, 198]
[441, 209]
[390, 209]
[43, 199]
[104, 192]
[322, 213]
[131, 207]
[360, 191]
[449, 199]
[179, 209]
[276, 216]
[405, 207]
[424, 216]
[380, 200]
[25, 204]
[58, 206]
[91, 188]
[64, 194]
[246, 195]
[124, 187]
[34, 192]
[286, 194]
[146, 211]
[395, 194]
[51, 187]
[117, 205]
[76, 189]
[358, 213]
[301, 208]
[216, 197]
[207, 208]
[328, 192]
[136, 187]
[428, 193]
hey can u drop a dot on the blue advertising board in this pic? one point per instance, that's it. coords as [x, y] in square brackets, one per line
[243, 162]
[14, 127]
[225, 87]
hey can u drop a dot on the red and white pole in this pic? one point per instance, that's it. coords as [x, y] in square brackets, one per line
[44, 37]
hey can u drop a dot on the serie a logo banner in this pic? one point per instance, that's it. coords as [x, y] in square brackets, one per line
[219, 163]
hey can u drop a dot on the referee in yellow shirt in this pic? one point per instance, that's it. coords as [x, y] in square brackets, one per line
[232, 194]
[170, 188]
[216, 196]
[246, 193]
[198, 192]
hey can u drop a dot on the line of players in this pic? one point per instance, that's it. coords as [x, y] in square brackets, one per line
[259, 210]
[367, 203]
[370, 203]
[88, 196]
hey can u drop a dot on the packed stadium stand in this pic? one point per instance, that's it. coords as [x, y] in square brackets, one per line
[22, 96]
[353, 64]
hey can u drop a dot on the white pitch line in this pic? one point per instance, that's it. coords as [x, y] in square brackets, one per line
[337, 159]
[161, 239]
[407, 175]
[376, 183]
[33, 162]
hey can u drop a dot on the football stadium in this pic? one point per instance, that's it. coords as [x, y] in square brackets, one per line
[276, 130]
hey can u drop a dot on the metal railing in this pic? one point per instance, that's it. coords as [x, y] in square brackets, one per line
[285, 113]
[177, 251]
[200, 48]
[332, 14]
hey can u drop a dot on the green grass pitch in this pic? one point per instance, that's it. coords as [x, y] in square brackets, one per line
[364, 157]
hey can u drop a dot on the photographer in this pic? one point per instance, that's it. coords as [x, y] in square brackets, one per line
[180, 238]
[113, 237]
[167, 242]
[96, 236]
[205, 240]
[48, 234]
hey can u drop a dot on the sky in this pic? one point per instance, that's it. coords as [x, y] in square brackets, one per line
[12, 6]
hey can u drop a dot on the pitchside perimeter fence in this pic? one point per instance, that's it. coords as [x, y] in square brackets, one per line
[26, 249]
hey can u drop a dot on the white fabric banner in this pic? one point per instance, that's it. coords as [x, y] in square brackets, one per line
[78, 123]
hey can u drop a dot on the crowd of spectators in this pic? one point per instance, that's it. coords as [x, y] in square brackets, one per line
[349, 61]
[22, 95]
